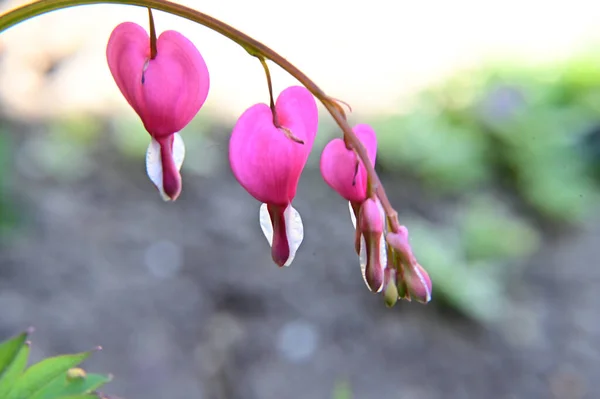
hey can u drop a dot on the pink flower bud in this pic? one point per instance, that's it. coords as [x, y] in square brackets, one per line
[166, 92]
[342, 170]
[361, 243]
[371, 227]
[267, 163]
[411, 274]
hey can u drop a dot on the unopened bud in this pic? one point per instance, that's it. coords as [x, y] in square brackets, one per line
[418, 283]
[371, 225]
[413, 280]
[390, 292]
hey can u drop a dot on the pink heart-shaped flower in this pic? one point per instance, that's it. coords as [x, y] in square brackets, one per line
[264, 160]
[167, 91]
[338, 165]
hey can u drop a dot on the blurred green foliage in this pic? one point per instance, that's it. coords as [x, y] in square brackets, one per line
[52, 378]
[342, 390]
[8, 212]
[510, 145]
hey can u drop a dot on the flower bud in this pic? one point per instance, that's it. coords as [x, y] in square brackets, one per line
[370, 223]
[413, 280]
[390, 292]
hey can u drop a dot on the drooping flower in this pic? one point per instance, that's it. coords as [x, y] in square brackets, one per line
[343, 171]
[346, 174]
[267, 161]
[166, 91]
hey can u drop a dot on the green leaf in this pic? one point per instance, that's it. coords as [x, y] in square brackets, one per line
[9, 350]
[64, 385]
[41, 374]
[14, 370]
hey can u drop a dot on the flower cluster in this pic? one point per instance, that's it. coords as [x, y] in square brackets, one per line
[166, 82]
[386, 258]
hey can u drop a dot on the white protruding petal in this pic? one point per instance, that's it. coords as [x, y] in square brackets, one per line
[363, 244]
[154, 164]
[265, 223]
[352, 216]
[293, 228]
[363, 259]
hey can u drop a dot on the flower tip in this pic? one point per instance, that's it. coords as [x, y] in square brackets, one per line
[374, 276]
[280, 257]
[164, 160]
[284, 231]
[419, 284]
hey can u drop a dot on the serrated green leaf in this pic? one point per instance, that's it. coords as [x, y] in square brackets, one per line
[9, 350]
[63, 386]
[14, 371]
[41, 374]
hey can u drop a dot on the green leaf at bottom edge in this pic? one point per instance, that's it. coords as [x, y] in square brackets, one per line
[41, 374]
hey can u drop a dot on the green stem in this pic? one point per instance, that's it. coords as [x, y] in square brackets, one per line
[252, 46]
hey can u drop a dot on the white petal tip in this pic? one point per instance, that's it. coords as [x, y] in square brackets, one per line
[293, 226]
[154, 164]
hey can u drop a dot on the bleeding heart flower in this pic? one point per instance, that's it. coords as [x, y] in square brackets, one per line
[268, 163]
[166, 92]
[346, 174]
[343, 171]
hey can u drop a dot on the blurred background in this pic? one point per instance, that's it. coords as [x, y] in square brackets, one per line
[488, 116]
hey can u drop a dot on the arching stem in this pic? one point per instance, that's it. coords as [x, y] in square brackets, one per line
[276, 122]
[252, 46]
[153, 50]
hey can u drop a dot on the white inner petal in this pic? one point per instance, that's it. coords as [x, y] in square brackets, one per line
[154, 164]
[293, 227]
[352, 217]
[363, 246]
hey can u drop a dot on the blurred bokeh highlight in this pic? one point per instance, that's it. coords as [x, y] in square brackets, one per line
[488, 118]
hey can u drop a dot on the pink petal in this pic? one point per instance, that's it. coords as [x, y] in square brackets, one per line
[166, 92]
[263, 159]
[338, 165]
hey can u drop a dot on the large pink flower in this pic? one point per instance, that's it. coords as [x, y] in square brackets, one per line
[267, 162]
[166, 92]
